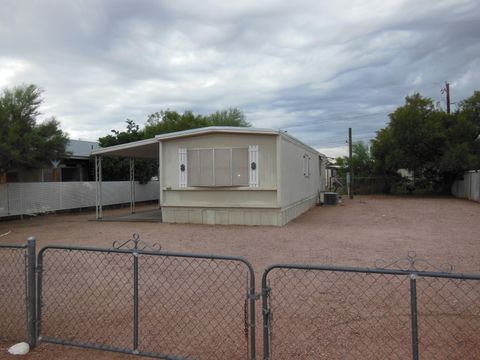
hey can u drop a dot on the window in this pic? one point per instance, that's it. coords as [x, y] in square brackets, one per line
[306, 165]
[217, 167]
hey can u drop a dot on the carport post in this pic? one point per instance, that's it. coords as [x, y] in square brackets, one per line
[98, 183]
[132, 185]
[160, 157]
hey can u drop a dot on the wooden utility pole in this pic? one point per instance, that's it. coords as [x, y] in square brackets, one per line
[446, 90]
[350, 165]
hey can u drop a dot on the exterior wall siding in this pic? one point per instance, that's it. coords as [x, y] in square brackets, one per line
[222, 216]
[295, 187]
[267, 155]
[295, 210]
[262, 196]
[237, 216]
[283, 192]
[223, 197]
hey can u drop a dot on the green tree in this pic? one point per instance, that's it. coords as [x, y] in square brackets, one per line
[462, 142]
[436, 146]
[24, 143]
[362, 162]
[161, 122]
[118, 169]
[228, 117]
[167, 121]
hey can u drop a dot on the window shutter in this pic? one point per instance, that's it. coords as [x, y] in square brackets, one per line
[222, 160]
[253, 165]
[206, 167]
[240, 166]
[306, 165]
[182, 168]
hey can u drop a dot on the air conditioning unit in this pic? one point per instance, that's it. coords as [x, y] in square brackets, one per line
[330, 198]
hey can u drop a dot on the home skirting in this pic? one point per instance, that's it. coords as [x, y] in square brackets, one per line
[237, 216]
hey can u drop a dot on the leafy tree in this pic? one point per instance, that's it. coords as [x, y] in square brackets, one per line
[167, 121]
[436, 146]
[160, 122]
[132, 133]
[228, 117]
[362, 162]
[25, 144]
[118, 169]
[462, 141]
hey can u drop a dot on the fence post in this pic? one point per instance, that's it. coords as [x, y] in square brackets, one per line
[266, 312]
[31, 292]
[413, 312]
[135, 300]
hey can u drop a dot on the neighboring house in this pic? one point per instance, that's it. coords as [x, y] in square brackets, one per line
[333, 182]
[76, 167]
[231, 175]
[405, 173]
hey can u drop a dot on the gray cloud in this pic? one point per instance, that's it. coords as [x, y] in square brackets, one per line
[312, 68]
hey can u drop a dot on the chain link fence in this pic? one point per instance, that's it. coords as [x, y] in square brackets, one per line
[137, 299]
[13, 293]
[351, 313]
[165, 305]
[448, 318]
[17, 292]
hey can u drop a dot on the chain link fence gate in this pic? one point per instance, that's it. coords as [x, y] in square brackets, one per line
[17, 292]
[138, 300]
[329, 312]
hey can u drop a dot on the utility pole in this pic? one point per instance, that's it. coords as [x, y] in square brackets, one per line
[446, 90]
[350, 165]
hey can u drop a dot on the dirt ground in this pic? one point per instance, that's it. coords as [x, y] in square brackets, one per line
[354, 233]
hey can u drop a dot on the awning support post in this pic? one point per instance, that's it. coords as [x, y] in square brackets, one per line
[132, 185]
[98, 183]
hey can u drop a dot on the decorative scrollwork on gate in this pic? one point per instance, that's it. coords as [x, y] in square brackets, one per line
[136, 244]
[412, 263]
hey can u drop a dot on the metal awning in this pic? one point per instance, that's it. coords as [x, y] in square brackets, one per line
[143, 149]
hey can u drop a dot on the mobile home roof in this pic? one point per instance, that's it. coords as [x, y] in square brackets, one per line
[148, 149]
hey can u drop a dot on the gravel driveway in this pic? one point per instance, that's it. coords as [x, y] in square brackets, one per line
[354, 233]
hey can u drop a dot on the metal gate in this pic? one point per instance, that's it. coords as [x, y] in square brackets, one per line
[17, 292]
[330, 312]
[138, 300]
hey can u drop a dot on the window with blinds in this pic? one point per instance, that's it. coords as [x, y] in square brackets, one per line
[217, 167]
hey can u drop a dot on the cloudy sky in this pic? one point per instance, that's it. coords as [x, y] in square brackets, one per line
[313, 68]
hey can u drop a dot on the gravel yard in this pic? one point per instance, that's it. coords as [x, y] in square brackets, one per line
[354, 233]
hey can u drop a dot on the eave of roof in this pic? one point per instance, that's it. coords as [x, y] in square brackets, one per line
[216, 129]
[124, 149]
[133, 149]
[232, 130]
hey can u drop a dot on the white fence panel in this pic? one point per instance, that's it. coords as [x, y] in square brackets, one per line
[31, 198]
[3, 200]
[469, 187]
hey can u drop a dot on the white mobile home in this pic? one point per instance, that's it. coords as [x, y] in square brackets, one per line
[231, 175]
